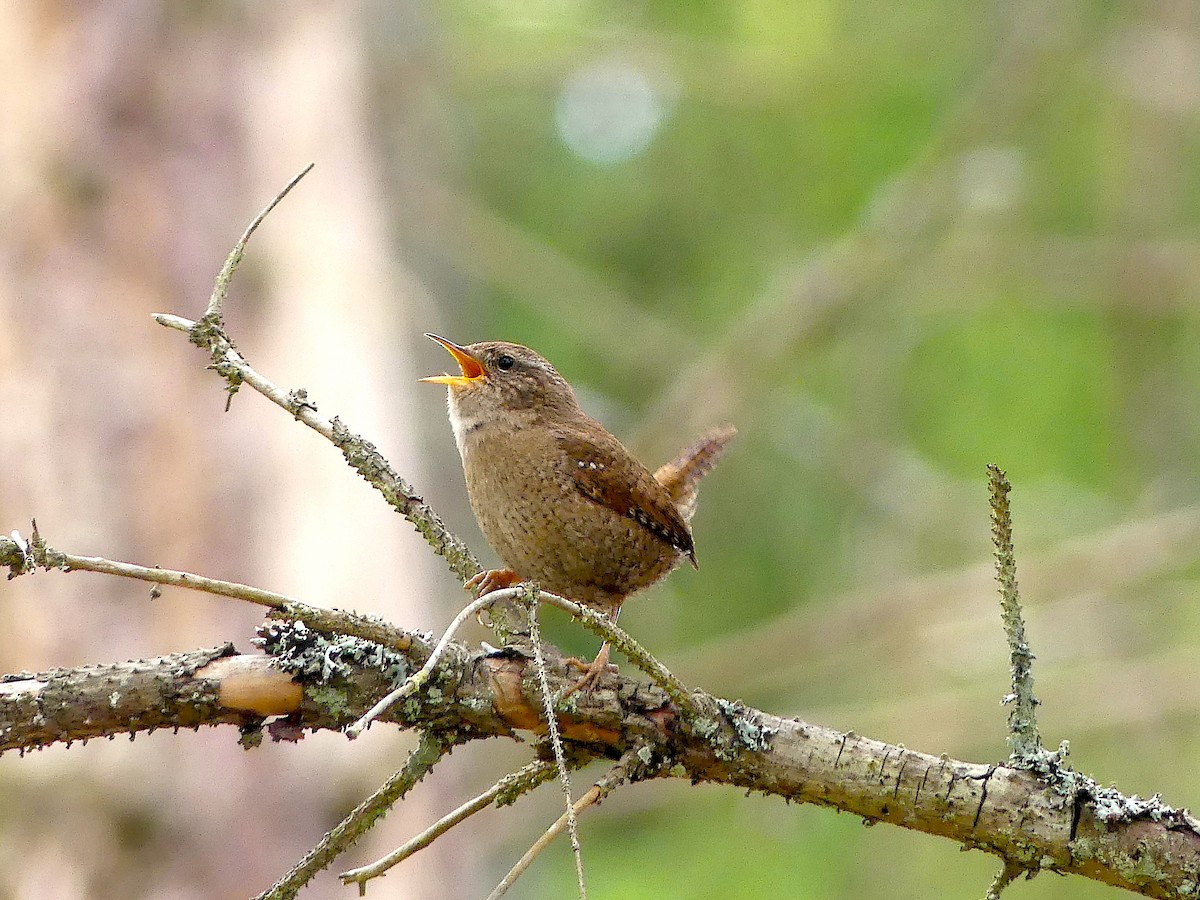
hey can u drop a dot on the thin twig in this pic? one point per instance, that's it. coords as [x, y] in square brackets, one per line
[1023, 736]
[48, 558]
[221, 287]
[615, 776]
[417, 680]
[325, 620]
[507, 788]
[431, 748]
[360, 454]
[535, 634]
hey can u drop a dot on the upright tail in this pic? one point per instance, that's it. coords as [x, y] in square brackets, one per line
[681, 476]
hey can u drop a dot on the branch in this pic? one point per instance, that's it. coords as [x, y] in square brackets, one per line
[359, 453]
[506, 790]
[615, 777]
[595, 622]
[179, 691]
[429, 752]
[1023, 735]
[1076, 827]
[221, 286]
[23, 558]
[209, 334]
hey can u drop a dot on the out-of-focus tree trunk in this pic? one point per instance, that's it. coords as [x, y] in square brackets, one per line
[139, 139]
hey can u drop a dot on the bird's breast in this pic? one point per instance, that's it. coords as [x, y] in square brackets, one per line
[533, 514]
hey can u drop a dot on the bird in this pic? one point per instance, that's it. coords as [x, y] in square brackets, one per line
[558, 497]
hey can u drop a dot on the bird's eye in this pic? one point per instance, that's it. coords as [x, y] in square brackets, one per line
[505, 362]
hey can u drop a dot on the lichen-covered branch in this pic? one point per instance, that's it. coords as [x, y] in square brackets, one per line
[431, 749]
[1023, 735]
[504, 791]
[227, 361]
[177, 691]
[1076, 827]
[26, 557]
[359, 453]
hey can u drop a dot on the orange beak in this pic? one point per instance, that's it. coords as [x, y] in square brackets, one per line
[472, 369]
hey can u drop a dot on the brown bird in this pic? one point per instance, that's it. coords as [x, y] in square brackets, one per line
[560, 500]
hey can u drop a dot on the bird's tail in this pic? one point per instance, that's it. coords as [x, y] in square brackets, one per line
[681, 476]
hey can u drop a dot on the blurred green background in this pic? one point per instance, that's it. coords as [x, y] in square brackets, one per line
[892, 243]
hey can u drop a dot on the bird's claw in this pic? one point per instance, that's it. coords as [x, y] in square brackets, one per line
[591, 672]
[492, 580]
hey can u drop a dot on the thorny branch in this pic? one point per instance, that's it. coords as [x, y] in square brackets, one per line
[1141, 845]
[503, 792]
[1023, 737]
[530, 598]
[429, 752]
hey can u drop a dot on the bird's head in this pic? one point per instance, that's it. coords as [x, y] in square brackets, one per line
[501, 380]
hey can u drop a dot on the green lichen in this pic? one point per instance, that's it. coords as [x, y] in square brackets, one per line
[332, 700]
[314, 657]
[748, 726]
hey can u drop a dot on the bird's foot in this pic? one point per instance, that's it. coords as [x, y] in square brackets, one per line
[493, 580]
[591, 672]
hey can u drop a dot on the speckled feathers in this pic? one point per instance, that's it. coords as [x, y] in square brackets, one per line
[559, 498]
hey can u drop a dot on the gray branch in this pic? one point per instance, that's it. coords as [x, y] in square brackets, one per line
[1066, 826]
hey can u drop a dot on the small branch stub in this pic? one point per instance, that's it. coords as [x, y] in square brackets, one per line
[1023, 738]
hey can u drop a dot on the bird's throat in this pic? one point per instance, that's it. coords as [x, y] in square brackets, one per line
[463, 425]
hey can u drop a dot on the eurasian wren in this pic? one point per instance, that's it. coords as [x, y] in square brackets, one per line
[560, 500]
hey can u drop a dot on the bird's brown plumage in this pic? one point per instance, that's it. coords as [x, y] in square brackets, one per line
[557, 496]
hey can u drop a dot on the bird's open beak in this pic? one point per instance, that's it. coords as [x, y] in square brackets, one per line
[472, 369]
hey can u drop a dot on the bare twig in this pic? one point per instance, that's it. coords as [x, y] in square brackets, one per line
[1023, 736]
[507, 789]
[48, 558]
[429, 751]
[615, 776]
[417, 680]
[535, 633]
[221, 287]
[39, 553]
[361, 455]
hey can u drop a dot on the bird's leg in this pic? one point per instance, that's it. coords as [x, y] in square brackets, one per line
[493, 580]
[593, 670]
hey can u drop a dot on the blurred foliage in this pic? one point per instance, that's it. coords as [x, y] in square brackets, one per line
[892, 243]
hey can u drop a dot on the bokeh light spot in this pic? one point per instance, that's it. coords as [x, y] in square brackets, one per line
[609, 112]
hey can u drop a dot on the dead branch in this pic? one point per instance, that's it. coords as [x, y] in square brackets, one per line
[1072, 826]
